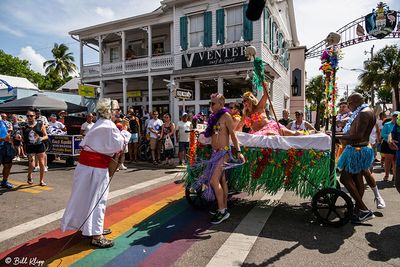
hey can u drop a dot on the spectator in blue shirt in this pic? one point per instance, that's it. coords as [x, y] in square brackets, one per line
[5, 153]
[385, 148]
[394, 143]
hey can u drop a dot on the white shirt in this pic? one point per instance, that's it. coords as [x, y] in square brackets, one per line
[155, 125]
[86, 127]
[372, 136]
[182, 128]
[301, 127]
[57, 125]
[43, 119]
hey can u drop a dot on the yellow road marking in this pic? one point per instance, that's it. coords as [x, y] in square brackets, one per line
[25, 187]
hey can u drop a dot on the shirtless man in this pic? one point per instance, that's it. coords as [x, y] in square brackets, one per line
[356, 138]
[220, 129]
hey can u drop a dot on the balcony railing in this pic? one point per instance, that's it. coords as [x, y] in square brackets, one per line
[131, 66]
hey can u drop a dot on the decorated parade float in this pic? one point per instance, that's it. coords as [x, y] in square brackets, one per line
[303, 164]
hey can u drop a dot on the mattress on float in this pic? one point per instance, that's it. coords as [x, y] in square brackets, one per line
[318, 141]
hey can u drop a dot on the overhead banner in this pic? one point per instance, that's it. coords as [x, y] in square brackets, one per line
[214, 57]
[381, 21]
[86, 90]
[134, 93]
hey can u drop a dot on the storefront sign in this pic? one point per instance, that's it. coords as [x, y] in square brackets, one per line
[65, 144]
[183, 94]
[134, 93]
[381, 21]
[86, 90]
[214, 57]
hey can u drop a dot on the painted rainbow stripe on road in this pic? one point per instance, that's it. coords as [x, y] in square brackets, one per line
[152, 229]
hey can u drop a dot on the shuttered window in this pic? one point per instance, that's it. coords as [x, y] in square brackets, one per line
[234, 24]
[247, 25]
[220, 18]
[208, 29]
[183, 32]
[267, 26]
[196, 30]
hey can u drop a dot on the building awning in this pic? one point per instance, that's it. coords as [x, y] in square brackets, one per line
[4, 99]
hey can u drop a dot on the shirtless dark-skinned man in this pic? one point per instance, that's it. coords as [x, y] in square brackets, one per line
[357, 157]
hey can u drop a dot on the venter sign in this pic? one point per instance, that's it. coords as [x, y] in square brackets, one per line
[214, 57]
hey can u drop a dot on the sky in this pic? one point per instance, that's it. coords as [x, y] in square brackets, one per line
[29, 28]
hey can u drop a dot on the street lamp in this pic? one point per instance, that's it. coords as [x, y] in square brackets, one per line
[295, 87]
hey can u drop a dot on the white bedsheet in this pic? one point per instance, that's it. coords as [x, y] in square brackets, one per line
[319, 141]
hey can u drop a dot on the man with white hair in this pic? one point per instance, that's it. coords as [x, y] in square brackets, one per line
[87, 204]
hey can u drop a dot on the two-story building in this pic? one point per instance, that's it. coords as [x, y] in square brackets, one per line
[200, 46]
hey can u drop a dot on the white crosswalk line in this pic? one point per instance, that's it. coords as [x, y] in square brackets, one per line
[238, 245]
[31, 225]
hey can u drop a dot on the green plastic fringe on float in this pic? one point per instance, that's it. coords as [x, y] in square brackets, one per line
[304, 172]
[258, 73]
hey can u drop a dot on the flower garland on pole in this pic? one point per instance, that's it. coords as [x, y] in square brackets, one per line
[330, 64]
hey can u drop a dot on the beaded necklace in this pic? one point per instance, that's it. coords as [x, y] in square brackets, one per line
[346, 128]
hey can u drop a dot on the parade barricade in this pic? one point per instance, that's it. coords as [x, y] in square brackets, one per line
[292, 163]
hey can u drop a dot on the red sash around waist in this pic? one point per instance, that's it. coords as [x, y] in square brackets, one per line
[93, 159]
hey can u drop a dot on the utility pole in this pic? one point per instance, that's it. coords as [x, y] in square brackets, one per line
[373, 86]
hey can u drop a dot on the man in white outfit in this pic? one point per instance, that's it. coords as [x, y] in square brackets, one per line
[91, 178]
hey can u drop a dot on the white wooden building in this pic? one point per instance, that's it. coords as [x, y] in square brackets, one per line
[200, 46]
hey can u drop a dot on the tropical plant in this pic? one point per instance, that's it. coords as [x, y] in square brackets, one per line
[315, 95]
[384, 70]
[63, 62]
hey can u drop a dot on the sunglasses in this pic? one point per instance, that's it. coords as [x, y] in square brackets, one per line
[30, 116]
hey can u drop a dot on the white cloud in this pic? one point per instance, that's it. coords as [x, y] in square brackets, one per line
[33, 57]
[105, 12]
[7, 29]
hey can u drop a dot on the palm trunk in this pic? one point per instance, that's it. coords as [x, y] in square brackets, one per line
[318, 116]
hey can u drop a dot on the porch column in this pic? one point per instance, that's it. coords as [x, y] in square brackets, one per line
[150, 88]
[220, 85]
[149, 47]
[197, 95]
[171, 99]
[124, 94]
[81, 57]
[100, 38]
[101, 89]
[123, 51]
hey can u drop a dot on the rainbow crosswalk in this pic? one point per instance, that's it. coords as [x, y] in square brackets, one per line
[151, 229]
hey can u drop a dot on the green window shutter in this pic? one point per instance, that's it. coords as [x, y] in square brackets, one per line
[272, 36]
[280, 46]
[207, 29]
[184, 32]
[247, 25]
[267, 25]
[220, 26]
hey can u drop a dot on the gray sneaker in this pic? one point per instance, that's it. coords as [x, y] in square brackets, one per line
[220, 217]
[365, 215]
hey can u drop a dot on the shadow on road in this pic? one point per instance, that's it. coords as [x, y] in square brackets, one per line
[297, 224]
[385, 244]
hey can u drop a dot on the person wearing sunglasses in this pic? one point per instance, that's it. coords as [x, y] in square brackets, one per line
[234, 110]
[220, 130]
[34, 134]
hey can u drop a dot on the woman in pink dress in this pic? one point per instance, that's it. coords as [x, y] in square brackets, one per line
[255, 118]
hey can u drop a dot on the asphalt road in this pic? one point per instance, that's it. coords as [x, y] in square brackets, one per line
[290, 237]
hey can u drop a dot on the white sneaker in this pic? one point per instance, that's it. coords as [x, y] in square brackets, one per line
[36, 169]
[380, 203]
[123, 167]
[46, 168]
[17, 158]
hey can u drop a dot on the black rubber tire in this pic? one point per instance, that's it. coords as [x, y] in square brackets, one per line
[70, 162]
[195, 199]
[50, 158]
[325, 204]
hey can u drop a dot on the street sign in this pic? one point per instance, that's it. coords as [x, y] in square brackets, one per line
[183, 94]
[86, 90]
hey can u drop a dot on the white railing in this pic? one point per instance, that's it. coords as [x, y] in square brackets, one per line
[134, 65]
[139, 64]
[162, 62]
[91, 70]
[112, 68]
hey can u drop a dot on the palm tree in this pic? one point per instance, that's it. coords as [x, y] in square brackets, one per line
[315, 94]
[370, 79]
[63, 62]
[389, 61]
